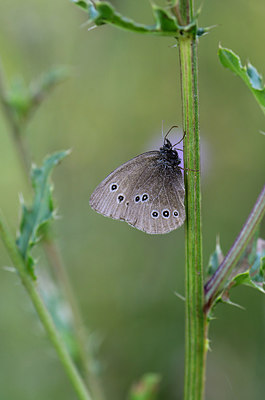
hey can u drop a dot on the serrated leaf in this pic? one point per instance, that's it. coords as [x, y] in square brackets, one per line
[248, 73]
[225, 299]
[101, 12]
[164, 21]
[41, 210]
[250, 271]
[254, 263]
[245, 279]
[146, 388]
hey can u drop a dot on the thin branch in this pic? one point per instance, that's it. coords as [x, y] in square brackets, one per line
[215, 283]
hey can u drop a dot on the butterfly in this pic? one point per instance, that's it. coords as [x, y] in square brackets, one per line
[147, 191]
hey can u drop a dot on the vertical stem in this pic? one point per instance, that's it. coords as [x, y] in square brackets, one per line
[185, 8]
[196, 324]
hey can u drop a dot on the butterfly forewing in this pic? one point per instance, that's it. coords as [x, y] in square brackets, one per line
[105, 198]
[143, 193]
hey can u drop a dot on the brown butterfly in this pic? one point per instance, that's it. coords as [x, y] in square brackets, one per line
[147, 192]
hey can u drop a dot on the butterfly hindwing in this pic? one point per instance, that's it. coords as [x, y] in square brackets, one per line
[161, 209]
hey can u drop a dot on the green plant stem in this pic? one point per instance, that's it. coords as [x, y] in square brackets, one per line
[185, 8]
[43, 313]
[196, 323]
[216, 282]
[52, 252]
[55, 259]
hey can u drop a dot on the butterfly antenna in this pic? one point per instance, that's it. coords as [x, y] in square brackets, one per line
[179, 140]
[172, 127]
[163, 130]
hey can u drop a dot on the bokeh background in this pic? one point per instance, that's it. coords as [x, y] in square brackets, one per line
[123, 86]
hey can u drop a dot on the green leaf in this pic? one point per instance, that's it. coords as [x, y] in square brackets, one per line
[248, 73]
[250, 271]
[23, 99]
[47, 81]
[100, 12]
[254, 77]
[257, 281]
[41, 210]
[215, 259]
[146, 388]
[18, 98]
[81, 4]
[166, 24]
[164, 21]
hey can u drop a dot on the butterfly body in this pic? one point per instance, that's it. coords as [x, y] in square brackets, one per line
[147, 192]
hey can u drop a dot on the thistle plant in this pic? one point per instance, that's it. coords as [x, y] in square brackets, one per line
[244, 263]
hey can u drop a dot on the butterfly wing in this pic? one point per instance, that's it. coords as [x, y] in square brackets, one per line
[164, 210]
[121, 181]
[144, 194]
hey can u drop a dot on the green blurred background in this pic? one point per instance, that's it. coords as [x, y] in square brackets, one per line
[123, 86]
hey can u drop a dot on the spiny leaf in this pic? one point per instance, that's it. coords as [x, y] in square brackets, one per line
[101, 12]
[248, 73]
[255, 276]
[224, 298]
[146, 388]
[250, 271]
[166, 23]
[41, 210]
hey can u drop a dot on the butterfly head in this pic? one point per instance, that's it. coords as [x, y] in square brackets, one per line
[168, 156]
[167, 145]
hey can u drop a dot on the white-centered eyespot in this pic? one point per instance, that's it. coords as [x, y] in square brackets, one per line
[166, 214]
[137, 198]
[120, 198]
[145, 197]
[175, 213]
[113, 187]
[154, 214]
